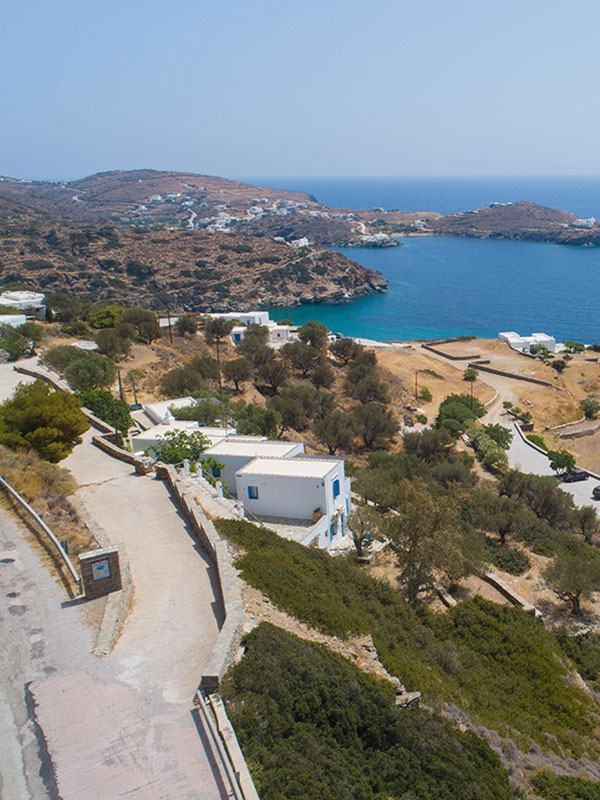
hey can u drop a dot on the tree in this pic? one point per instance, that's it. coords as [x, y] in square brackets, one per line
[586, 522]
[431, 446]
[303, 357]
[237, 371]
[106, 316]
[559, 364]
[185, 325]
[374, 423]
[254, 420]
[206, 367]
[145, 323]
[590, 407]
[13, 342]
[90, 371]
[180, 381]
[368, 390]
[345, 350]
[322, 376]
[176, 446]
[425, 535]
[274, 373]
[470, 374]
[32, 331]
[215, 330]
[336, 430]
[573, 577]
[58, 358]
[38, 418]
[499, 434]
[106, 407]
[362, 522]
[111, 344]
[314, 334]
[292, 411]
[561, 461]
[66, 307]
[502, 516]
[132, 376]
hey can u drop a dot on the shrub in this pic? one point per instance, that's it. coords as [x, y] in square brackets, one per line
[535, 438]
[312, 725]
[180, 381]
[107, 407]
[590, 407]
[176, 446]
[508, 559]
[35, 417]
[58, 358]
[564, 787]
[425, 394]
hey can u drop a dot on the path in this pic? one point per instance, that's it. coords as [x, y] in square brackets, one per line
[120, 726]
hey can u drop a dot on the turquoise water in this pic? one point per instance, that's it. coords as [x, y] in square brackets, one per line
[442, 286]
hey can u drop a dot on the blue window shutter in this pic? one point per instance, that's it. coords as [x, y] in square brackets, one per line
[336, 488]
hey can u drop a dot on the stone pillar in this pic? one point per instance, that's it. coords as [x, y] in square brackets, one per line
[100, 572]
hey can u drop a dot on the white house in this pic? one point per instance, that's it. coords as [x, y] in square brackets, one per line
[28, 302]
[298, 488]
[14, 320]
[235, 452]
[278, 334]
[302, 242]
[160, 411]
[524, 343]
[246, 317]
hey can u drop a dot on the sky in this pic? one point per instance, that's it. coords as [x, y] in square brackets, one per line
[322, 88]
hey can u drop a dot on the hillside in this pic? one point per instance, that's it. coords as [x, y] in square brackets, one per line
[200, 271]
[180, 200]
[521, 220]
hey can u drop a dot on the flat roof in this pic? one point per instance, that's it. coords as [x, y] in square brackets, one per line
[289, 467]
[245, 446]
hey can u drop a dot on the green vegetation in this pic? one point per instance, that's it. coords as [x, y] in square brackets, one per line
[14, 342]
[590, 407]
[312, 725]
[425, 394]
[35, 417]
[456, 410]
[535, 438]
[176, 446]
[107, 407]
[493, 661]
[561, 461]
[565, 787]
[508, 559]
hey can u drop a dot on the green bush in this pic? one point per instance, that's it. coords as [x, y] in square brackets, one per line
[508, 559]
[509, 672]
[564, 787]
[535, 438]
[312, 725]
[107, 407]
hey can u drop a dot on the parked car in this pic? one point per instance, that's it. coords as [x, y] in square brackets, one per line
[577, 475]
[596, 492]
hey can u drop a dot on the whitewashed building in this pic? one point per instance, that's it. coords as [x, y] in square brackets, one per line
[298, 488]
[160, 411]
[151, 438]
[29, 303]
[524, 343]
[235, 452]
[245, 317]
[13, 320]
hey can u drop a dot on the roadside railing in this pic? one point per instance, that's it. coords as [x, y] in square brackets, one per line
[230, 760]
[59, 548]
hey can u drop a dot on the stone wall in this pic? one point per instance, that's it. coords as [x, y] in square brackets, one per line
[481, 365]
[226, 648]
[142, 466]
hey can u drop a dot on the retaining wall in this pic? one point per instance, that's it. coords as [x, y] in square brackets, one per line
[481, 365]
[450, 356]
[142, 466]
[226, 648]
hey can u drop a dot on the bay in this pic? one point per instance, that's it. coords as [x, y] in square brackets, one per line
[443, 286]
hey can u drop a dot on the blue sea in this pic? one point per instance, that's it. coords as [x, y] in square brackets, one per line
[442, 286]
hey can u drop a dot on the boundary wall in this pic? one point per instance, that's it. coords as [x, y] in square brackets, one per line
[481, 365]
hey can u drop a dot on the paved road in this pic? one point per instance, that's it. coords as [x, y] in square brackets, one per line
[523, 457]
[83, 728]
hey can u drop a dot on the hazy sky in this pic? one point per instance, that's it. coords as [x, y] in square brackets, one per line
[300, 87]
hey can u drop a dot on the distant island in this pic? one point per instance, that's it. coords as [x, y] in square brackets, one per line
[156, 199]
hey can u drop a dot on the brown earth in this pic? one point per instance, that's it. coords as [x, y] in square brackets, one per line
[198, 271]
